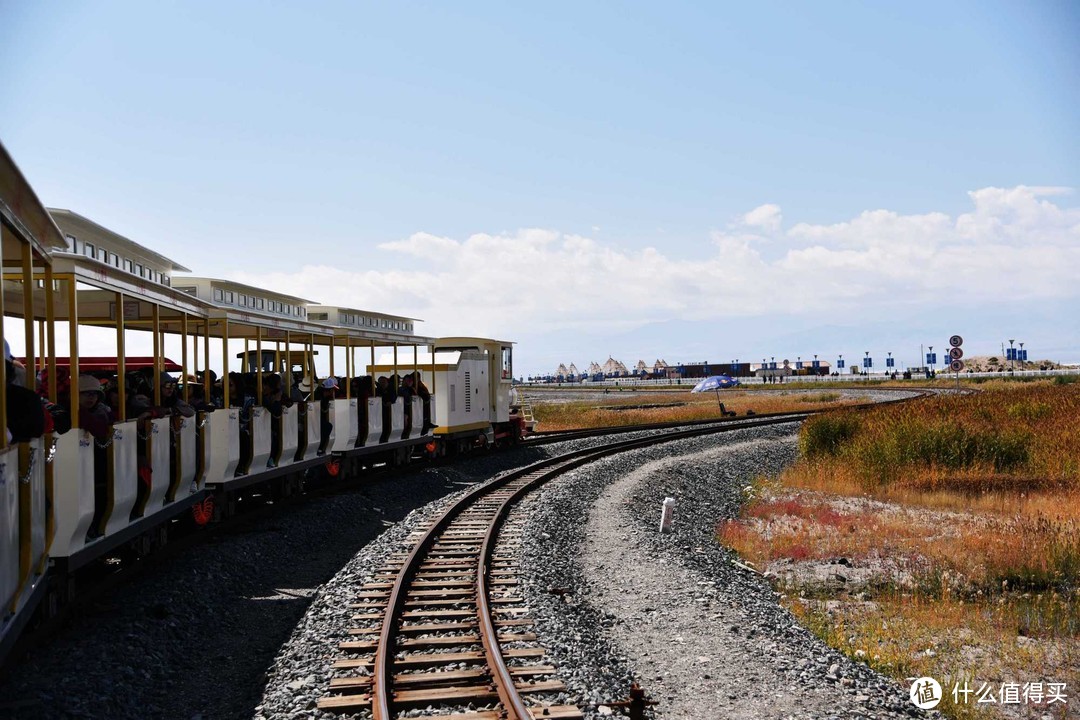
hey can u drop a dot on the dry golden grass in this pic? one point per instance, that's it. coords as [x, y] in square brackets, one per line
[670, 406]
[961, 519]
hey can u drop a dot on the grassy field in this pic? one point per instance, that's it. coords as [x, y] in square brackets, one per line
[594, 408]
[939, 537]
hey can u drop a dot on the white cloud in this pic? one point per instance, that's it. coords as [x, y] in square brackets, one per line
[1013, 243]
[766, 217]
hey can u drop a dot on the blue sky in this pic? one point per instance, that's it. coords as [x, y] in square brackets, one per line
[578, 177]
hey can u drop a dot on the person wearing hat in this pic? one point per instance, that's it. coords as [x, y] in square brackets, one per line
[304, 389]
[171, 402]
[25, 415]
[95, 417]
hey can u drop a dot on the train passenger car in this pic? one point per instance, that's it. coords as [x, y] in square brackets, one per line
[125, 481]
[385, 427]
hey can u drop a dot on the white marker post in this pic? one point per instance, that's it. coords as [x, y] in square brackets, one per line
[667, 514]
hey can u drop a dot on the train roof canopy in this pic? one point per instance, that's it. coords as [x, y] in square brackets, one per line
[79, 230]
[23, 211]
[367, 323]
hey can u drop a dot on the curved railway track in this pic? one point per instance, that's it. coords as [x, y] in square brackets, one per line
[443, 627]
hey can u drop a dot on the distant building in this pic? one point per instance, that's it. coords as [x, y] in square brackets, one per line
[614, 368]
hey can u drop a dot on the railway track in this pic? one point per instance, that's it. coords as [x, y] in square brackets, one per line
[443, 629]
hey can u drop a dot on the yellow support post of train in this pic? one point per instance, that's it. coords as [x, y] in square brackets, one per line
[121, 358]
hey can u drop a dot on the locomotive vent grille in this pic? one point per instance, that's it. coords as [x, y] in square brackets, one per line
[468, 392]
[453, 397]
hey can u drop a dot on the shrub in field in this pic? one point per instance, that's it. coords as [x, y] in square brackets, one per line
[825, 434]
[1030, 434]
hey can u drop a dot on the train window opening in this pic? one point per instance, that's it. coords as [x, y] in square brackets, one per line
[71, 243]
[218, 295]
[88, 250]
[229, 298]
[103, 255]
[260, 304]
[128, 265]
[138, 269]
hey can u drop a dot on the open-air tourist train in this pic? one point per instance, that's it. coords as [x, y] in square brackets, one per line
[221, 402]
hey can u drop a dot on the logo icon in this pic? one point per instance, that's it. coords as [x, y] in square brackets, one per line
[925, 693]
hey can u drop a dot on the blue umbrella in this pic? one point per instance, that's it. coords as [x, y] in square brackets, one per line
[716, 382]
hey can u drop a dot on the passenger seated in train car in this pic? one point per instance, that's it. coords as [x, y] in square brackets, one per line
[274, 400]
[197, 392]
[25, 414]
[301, 389]
[385, 390]
[242, 396]
[96, 418]
[424, 394]
[57, 414]
[172, 404]
[363, 389]
[406, 392]
[327, 393]
[141, 408]
[300, 394]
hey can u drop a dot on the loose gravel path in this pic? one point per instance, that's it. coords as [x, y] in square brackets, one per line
[705, 638]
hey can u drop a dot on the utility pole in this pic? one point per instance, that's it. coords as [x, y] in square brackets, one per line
[1012, 356]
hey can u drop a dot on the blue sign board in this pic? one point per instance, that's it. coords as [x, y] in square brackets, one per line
[840, 364]
[931, 358]
[890, 362]
[868, 362]
[1023, 355]
[815, 364]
